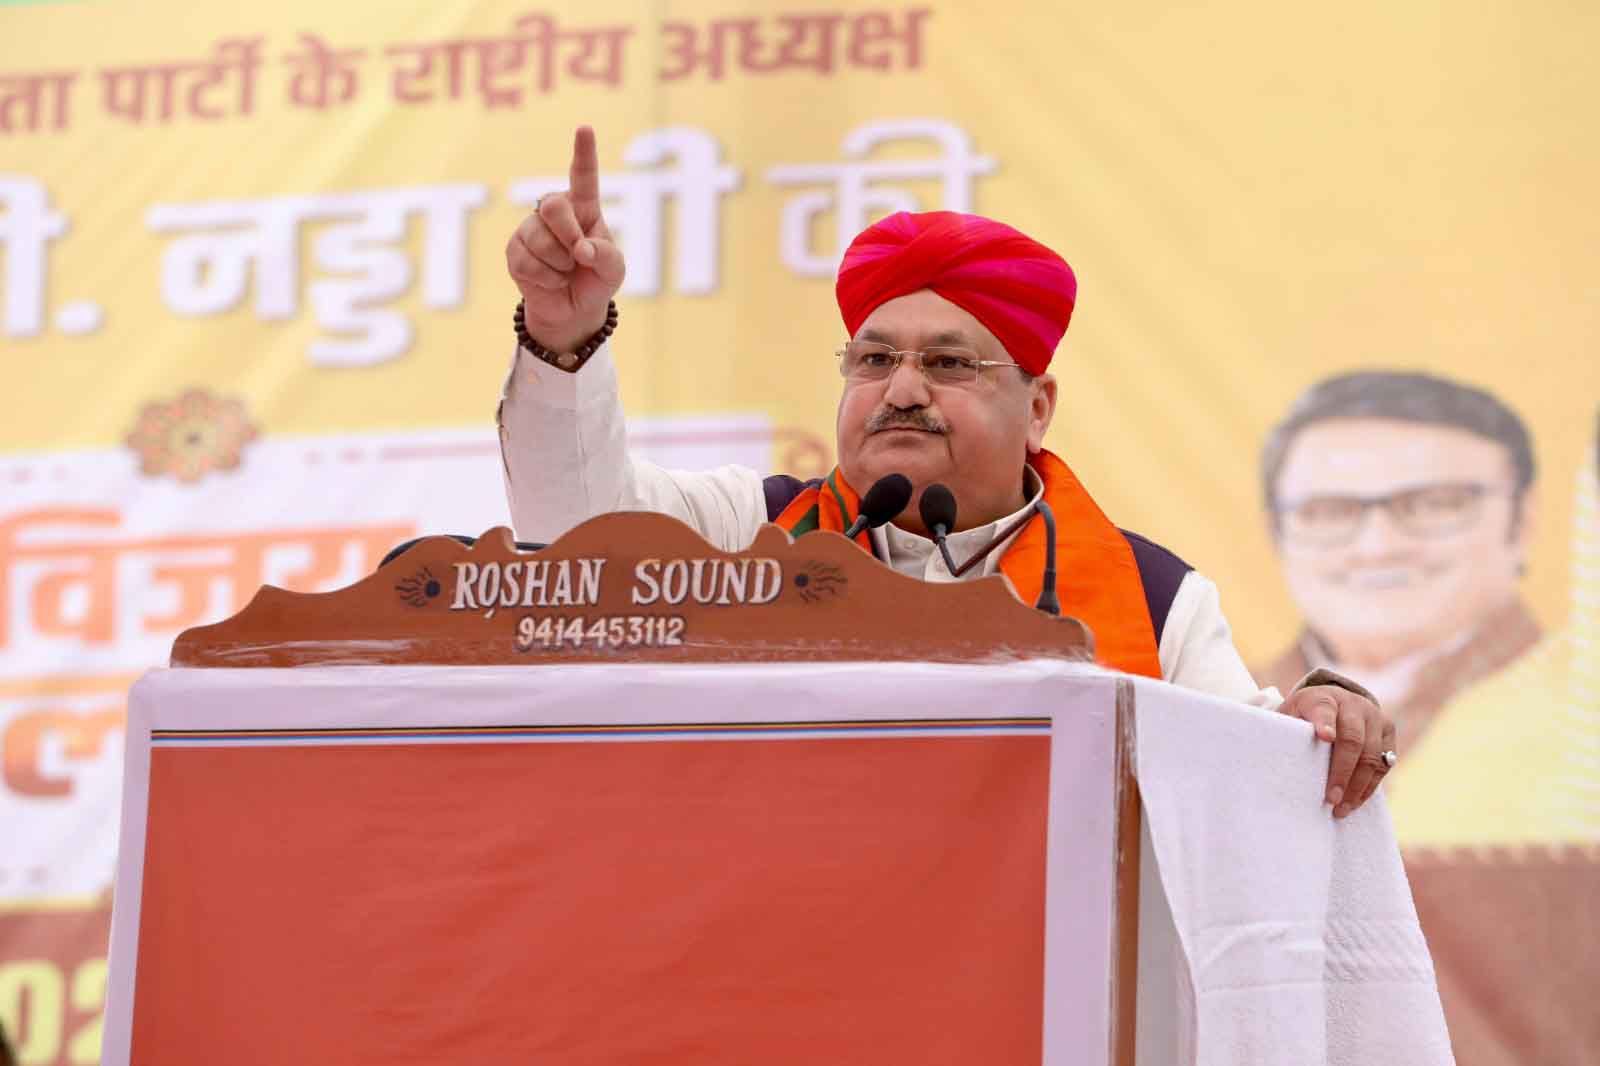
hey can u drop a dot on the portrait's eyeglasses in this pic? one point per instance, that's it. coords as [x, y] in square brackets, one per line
[863, 361]
[1435, 510]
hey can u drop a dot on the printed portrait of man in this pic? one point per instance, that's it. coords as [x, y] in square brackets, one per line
[1535, 726]
[1401, 508]
[1501, 875]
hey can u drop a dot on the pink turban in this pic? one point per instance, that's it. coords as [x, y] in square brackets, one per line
[1021, 290]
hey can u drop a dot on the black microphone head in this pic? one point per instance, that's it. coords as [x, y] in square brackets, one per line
[938, 508]
[886, 498]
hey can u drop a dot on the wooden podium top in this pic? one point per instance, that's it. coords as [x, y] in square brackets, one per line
[634, 587]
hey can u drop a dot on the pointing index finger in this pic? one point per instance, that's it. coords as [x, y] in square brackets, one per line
[584, 178]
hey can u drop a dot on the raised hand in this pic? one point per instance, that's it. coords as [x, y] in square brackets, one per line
[563, 257]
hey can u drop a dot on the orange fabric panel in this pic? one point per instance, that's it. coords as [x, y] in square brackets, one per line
[1098, 578]
[715, 902]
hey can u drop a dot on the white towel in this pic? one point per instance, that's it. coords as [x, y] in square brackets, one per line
[1298, 940]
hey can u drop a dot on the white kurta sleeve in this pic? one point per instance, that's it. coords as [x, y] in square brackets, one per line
[564, 450]
[1197, 649]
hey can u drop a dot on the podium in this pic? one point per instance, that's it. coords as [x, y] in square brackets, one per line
[631, 799]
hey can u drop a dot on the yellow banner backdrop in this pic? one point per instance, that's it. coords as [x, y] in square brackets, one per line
[254, 318]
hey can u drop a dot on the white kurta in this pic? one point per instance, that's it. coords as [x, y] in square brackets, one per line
[563, 441]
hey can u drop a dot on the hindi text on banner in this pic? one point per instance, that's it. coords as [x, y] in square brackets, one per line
[30, 102]
[27, 226]
[207, 269]
[636, 202]
[857, 190]
[159, 91]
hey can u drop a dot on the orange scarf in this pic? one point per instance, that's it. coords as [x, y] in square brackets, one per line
[1098, 580]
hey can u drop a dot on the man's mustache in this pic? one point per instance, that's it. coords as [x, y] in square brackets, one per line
[890, 418]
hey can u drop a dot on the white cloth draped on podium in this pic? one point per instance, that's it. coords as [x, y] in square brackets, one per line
[1297, 941]
[842, 862]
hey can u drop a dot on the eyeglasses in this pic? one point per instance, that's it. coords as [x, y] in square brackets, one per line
[1436, 510]
[863, 361]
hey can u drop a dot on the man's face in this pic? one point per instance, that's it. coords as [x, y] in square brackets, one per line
[1381, 582]
[973, 438]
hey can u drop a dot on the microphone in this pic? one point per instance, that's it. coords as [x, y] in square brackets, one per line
[1047, 602]
[886, 498]
[938, 510]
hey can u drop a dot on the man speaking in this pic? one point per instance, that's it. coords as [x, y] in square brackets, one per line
[952, 321]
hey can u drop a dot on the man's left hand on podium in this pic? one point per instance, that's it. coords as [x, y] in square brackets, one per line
[1363, 739]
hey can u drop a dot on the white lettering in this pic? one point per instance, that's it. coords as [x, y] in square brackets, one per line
[508, 587]
[589, 580]
[207, 272]
[561, 595]
[534, 581]
[675, 582]
[635, 207]
[733, 582]
[26, 226]
[768, 581]
[466, 574]
[704, 592]
[644, 575]
[489, 591]
[853, 198]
